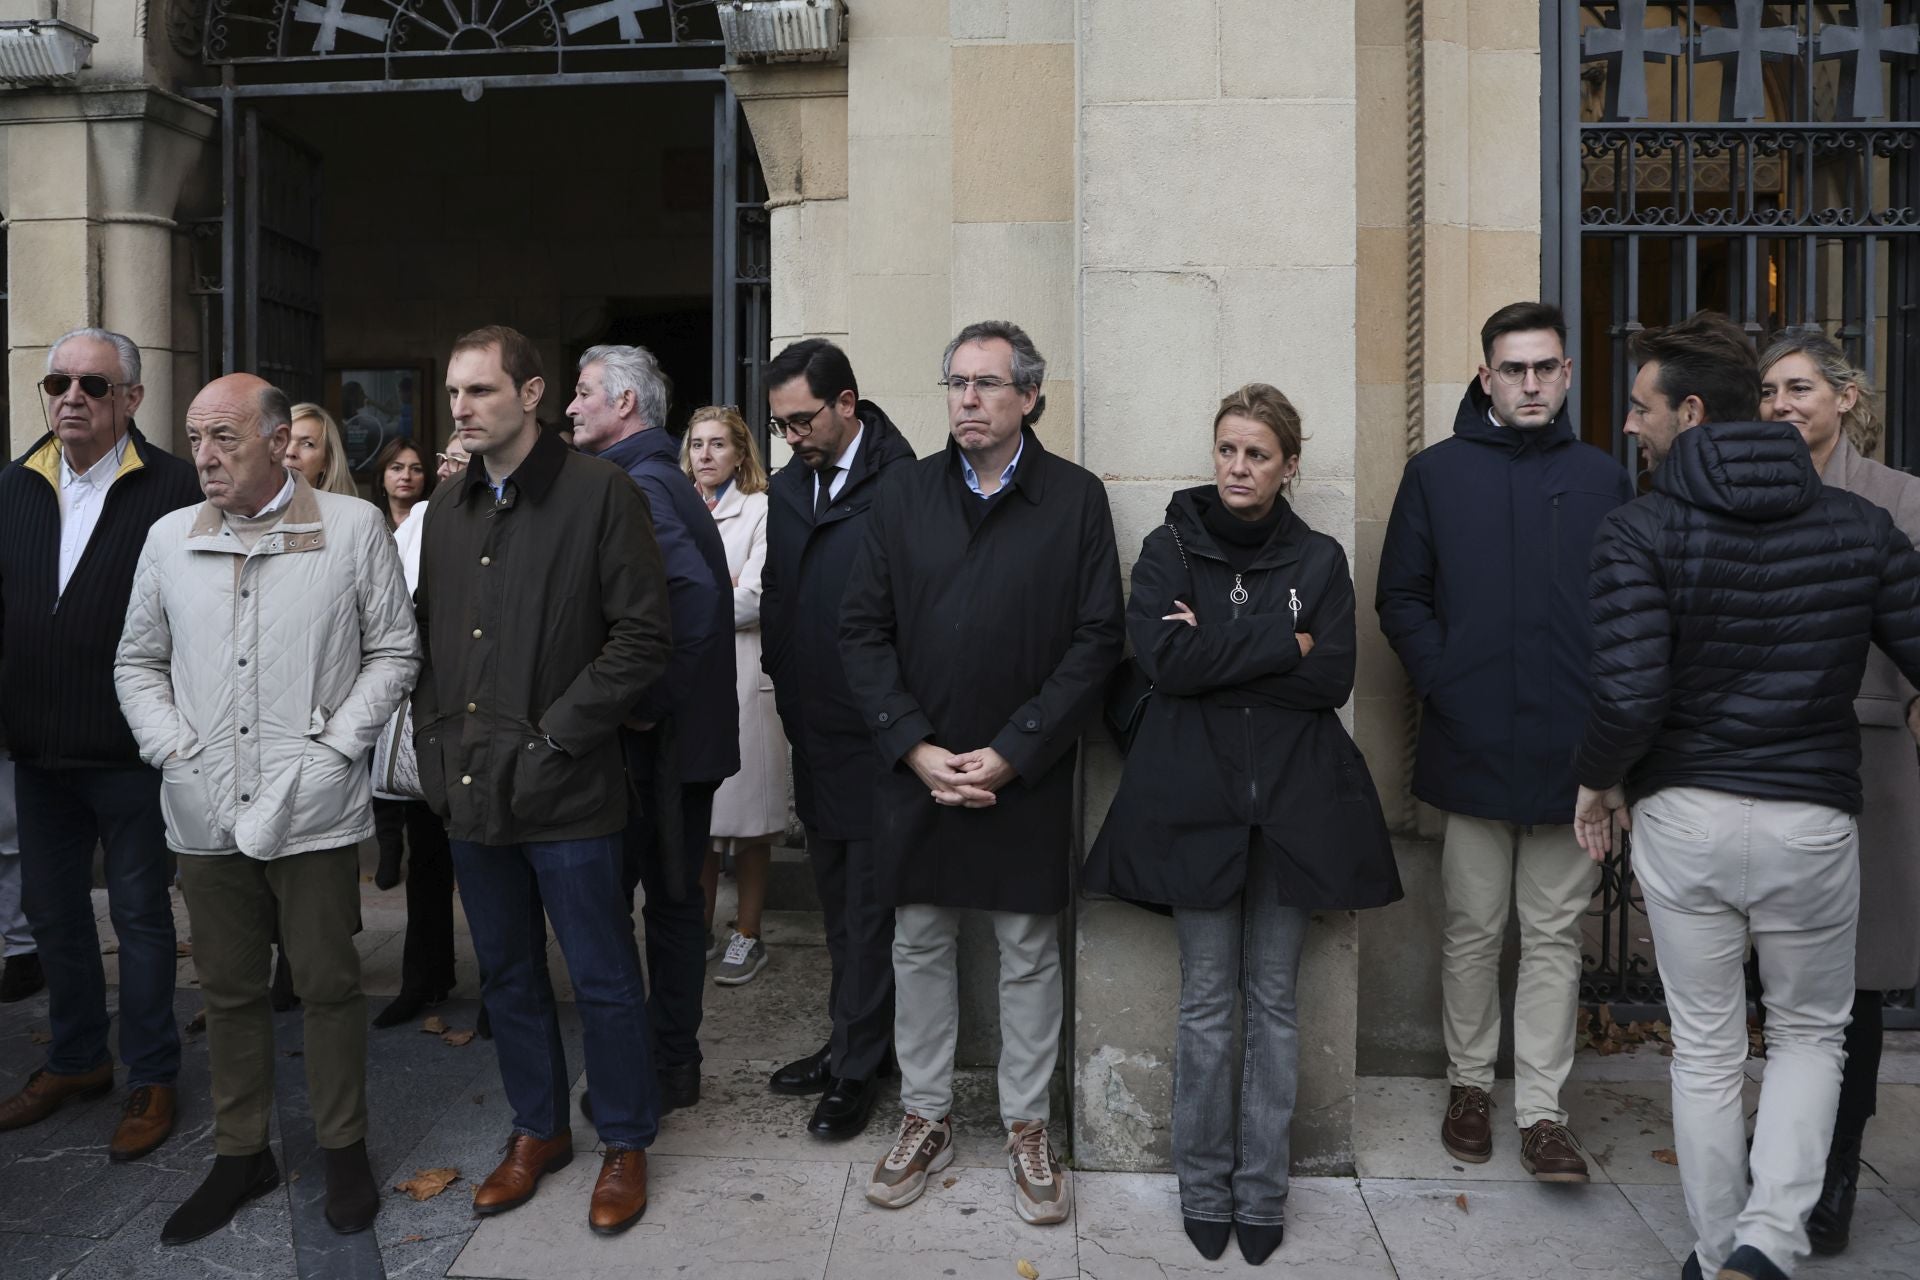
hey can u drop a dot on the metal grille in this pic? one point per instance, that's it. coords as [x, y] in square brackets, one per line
[1757, 158]
[281, 315]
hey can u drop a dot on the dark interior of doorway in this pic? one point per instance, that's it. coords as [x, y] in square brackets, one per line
[579, 215]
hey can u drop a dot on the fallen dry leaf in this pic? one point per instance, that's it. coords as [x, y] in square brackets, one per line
[949, 1182]
[1026, 1269]
[410, 1239]
[183, 949]
[110, 949]
[1461, 1201]
[435, 1026]
[40, 1037]
[427, 1183]
[458, 1039]
[198, 1022]
[1665, 1155]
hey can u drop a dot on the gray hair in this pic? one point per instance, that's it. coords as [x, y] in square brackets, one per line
[1860, 423]
[631, 369]
[1029, 366]
[120, 342]
[276, 410]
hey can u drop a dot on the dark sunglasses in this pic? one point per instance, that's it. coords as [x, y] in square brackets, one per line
[94, 385]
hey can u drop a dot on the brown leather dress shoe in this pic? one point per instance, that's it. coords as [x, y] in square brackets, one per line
[1467, 1132]
[1548, 1151]
[620, 1193]
[528, 1160]
[46, 1093]
[146, 1122]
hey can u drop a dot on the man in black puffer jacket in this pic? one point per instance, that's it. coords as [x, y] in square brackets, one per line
[1733, 608]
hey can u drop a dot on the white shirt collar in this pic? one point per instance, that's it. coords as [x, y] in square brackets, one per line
[845, 461]
[280, 499]
[97, 474]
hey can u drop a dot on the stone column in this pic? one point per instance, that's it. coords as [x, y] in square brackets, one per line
[1218, 211]
[93, 178]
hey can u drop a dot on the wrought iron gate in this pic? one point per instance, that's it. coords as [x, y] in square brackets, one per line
[1758, 158]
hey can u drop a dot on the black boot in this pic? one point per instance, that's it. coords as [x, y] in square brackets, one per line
[407, 1006]
[21, 977]
[1830, 1224]
[483, 1024]
[233, 1181]
[353, 1200]
[1257, 1243]
[280, 994]
[1210, 1238]
[387, 874]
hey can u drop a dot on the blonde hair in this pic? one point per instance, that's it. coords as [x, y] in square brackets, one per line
[339, 476]
[1861, 423]
[751, 476]
[1268, 406]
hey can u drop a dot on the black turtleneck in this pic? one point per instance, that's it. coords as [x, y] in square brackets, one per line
[1240, 540]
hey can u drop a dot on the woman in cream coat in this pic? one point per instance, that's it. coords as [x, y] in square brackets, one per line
[750, 808]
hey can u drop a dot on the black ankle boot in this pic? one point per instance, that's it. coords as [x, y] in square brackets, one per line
[1210, 1238]
[387, 874]
[280, 992]
[1830, 1224]
[1257, 1243]
[406, 1006]
[353, 1201]
[233, 1181]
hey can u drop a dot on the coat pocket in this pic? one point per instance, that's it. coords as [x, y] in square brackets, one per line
[554, 789]
[185, 804]
[428, 745]
[333, 791]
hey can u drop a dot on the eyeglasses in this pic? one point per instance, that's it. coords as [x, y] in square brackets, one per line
[799, 427]
[985, 386]
[1547, 371]
[94, 385]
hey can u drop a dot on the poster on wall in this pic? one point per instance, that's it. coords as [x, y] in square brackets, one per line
[376, 405]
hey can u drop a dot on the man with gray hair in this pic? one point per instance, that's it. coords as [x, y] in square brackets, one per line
[979, 626]
[683, 739]
[268, 640]
[74, 510]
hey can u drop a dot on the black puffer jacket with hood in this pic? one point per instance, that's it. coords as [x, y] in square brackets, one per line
[1732, 610]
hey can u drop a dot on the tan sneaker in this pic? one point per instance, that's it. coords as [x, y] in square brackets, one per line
[1040, 1189]
[1550, 1153]
[923, 1147]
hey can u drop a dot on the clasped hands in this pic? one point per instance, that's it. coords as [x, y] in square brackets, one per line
[968, 779]
[1183, 612]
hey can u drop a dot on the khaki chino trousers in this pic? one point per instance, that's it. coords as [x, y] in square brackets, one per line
[1486, 864]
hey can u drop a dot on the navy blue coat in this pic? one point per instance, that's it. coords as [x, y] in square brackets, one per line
[697, 690]
[836, 767]
[1483, 594]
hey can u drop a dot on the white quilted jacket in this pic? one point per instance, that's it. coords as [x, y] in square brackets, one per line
[258, 681]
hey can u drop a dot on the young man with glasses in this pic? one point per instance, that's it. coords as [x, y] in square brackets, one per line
[1483, 594]
[817, 515]
[74, 511]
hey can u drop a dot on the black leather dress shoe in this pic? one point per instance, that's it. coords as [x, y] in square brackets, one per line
[679, 1087]
[843, 1111]
[811, 1074]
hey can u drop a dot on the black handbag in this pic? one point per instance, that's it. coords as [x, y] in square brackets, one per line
[1128, 688]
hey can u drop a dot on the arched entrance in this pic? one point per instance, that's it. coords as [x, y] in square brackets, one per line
[395, 171]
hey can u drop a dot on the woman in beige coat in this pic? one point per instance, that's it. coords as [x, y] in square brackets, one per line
[750, 808]
[1806, 379]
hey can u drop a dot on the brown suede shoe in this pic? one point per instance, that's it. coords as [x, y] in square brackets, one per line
[146, 1122]
[46, 1093]
[528, 1160]
[1549, 1152]
[1467, 1132]
[620, 1194]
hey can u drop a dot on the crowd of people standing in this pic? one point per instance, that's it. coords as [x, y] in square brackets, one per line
[574, 677]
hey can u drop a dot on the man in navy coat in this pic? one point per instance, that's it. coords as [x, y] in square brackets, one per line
[1483, 594]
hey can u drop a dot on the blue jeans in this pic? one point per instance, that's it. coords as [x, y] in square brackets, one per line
[509, 892]
[1233, 1120]
[63, 814]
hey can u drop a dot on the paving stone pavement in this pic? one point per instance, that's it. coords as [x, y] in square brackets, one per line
[740, 1192]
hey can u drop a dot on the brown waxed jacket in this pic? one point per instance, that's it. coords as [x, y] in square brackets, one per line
[543, 617]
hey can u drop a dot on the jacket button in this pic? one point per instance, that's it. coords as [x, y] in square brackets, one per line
[1033, 724]
[245, 593]
[485, 561]
[476, 633]
[243, 731]
[885, 718]
[466, 779]
[473, 706]
[244, 796]
[243, 662]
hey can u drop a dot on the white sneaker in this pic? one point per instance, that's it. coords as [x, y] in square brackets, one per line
[924, 1147]
[1041, 1192]
[745, 957]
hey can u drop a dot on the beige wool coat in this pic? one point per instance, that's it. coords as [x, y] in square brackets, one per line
[1888, 954]
[754, 801]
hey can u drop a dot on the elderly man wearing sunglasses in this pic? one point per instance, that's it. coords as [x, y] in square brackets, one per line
[74, 512]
